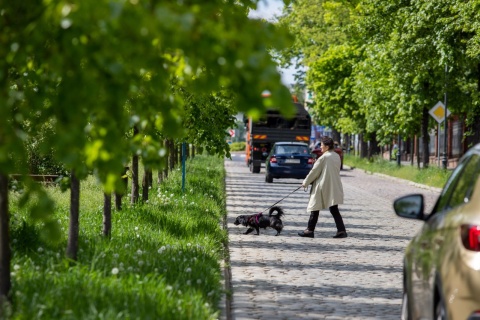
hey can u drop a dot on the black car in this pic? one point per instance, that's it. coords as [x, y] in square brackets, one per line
[288, 160]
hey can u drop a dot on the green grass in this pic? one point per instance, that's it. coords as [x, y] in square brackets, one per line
[162, 261]
[431, 176]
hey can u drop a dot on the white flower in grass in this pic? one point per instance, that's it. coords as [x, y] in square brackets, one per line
[211, 293]
[189, 244]
[40, 249]
[126, 245]
[136, 228]
[121, 265]
[16, 267]
[161, 249]
[138, 236]
[188, 270]
[115, 255]
[189, 282]
[199, 281]
[146, 201]
[12, 274]
[115, 271]
[130, 269]
[140, 263]
[169, 288]
[139, 252]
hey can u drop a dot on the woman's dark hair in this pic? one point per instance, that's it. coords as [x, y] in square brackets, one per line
[328, 142]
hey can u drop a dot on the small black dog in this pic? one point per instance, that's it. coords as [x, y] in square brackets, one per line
[257, 221]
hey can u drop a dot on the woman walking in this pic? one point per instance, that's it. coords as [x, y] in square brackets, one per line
[326, 191]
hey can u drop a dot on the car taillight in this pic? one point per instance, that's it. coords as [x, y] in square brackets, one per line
[310, 161]
[256, 149]
[264, 149]
[273, 160]
[474, 316]
[470, 237]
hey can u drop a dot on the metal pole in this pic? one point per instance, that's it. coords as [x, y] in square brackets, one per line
[445, 125]
[438, 144]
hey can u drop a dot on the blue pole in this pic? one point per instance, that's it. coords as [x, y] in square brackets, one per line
[184, 151]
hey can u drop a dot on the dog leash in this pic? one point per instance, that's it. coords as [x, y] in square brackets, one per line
[279, 201]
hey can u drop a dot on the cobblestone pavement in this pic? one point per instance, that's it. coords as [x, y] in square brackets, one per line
[289, 277]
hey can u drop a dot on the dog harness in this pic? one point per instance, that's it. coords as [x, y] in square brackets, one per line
[255, 218]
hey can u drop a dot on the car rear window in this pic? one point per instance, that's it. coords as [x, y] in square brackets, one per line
[292, 149]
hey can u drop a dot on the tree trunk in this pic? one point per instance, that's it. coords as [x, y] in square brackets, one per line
[146, 184]
[135, 192]
[363, 146]
[171, 152]
[418, 152]
[373, 148]
[119, 194]
[412, 150]
[107, 215]
[5, 254]
[135, 186]
[73, 230]
[336, 136]
[425, 137]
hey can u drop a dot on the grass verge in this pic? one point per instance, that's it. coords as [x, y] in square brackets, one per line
[431, 176]
[162, 261]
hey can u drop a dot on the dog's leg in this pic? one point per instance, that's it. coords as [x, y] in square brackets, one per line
[258, 230]
[248, 231]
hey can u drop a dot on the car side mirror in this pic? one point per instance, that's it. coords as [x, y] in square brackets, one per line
[410, 207]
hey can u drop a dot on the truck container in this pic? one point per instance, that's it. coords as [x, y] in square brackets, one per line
[271, 128]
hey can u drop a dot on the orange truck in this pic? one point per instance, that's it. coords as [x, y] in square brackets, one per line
[271, 128]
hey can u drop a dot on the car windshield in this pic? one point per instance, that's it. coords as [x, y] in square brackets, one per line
[292, 149]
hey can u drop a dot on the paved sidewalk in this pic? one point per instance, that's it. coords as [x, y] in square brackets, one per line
[289, 277]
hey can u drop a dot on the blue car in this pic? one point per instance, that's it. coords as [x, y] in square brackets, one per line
[288, 160]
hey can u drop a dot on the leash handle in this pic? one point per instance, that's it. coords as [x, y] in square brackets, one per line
[280, 200]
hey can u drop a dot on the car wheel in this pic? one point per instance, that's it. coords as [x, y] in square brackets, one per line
[268, 178]
[440, 311]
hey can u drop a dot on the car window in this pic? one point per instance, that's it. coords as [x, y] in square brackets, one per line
[294, 149]
[460, 186]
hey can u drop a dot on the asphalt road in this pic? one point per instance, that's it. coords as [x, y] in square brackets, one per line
[289, 277]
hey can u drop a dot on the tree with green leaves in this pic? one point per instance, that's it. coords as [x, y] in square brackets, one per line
[97, 69]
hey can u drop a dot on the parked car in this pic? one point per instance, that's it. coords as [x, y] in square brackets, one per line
[288, 160]
[441, 272]
[317, 151]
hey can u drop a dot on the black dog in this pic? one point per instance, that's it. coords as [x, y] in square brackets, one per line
[257, 221]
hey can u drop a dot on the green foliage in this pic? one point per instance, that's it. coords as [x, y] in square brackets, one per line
[162, 260]
[237, 146]
[378, 66]
[431, 176]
